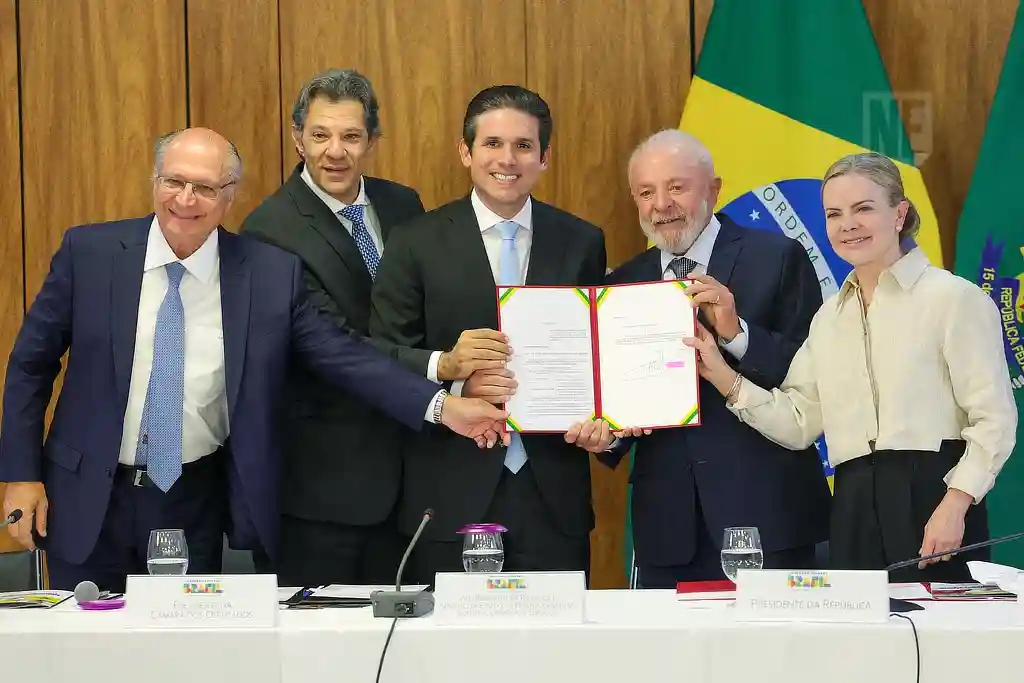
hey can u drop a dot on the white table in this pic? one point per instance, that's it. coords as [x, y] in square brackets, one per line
[630, 637]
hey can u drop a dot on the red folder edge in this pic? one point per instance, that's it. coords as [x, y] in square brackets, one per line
[595, 352]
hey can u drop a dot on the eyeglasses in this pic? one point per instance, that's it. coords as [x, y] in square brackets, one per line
[176, 185]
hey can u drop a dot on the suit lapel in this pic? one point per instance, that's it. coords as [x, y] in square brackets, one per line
[650, 266]
[387, 210]
[726, 250]
[234, 304]
[547, 252]
[126, 289]
[328, 227]
[467, 246]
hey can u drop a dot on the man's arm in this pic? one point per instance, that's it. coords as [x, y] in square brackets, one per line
[319, 299]
[34, 364]
[347, 361]
[770, 351]
[354, 366]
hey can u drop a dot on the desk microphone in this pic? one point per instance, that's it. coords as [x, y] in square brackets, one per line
[954, 551]
[11, 518]
[398, 603]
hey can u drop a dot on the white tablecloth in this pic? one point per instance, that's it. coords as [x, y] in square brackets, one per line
[630, 637]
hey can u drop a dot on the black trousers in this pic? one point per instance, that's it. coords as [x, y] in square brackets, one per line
[883, 502]
[533, 541]
[319, 553]
[706, 564]
[195, 503]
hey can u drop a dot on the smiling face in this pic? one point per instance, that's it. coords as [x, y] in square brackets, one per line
[506, 160]
[674, 196]
[192, 191]
[863, 228]
[335, 145]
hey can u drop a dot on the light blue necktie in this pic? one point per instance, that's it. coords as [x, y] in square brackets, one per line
[159, 446]
[509, 273]
[361, 234]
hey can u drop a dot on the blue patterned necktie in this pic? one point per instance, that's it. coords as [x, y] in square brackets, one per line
[509, 273]
[159, 446]
[361, 234]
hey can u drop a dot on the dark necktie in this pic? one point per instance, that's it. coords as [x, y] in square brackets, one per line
[681, 266]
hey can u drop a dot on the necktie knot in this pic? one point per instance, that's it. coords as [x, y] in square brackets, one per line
[353, 212]
[175, 271]
[508, 229]
[682, 266]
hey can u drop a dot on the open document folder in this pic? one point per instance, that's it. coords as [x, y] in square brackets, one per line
[616, 353]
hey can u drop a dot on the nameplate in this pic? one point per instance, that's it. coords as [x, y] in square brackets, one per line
[509, 597]
[819, 596]
[230, 601]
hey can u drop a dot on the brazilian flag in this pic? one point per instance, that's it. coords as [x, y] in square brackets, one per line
[990, 252]
[782, 89]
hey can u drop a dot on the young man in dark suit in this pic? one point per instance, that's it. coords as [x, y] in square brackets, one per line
[436, 290]
[758, 292]
[342, 467]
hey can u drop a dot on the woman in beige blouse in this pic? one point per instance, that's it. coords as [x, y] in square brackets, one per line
[904, 373]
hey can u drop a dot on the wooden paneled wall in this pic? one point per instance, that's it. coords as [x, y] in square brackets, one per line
[86, 86]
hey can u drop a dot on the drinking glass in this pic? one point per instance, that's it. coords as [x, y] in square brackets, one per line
[168, 552]
[741, 549]
[482, 548]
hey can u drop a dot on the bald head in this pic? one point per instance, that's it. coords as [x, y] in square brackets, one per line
[200, 142]
[672, 143]
[194, 177]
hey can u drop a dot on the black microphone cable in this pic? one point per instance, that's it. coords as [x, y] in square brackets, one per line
[917, 643]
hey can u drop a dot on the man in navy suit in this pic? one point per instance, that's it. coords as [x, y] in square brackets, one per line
[758, 292]
[179, 335]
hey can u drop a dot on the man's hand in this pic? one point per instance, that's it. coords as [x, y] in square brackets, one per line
[476, 350]
[945, 529]
[494, 386]
[29, 497]
[475, 418]
[718, 305]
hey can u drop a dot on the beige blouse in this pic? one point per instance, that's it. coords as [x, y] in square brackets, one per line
[924, 363]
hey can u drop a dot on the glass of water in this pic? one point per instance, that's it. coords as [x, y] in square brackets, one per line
[482, 548]
[741, 549]
[168, 552]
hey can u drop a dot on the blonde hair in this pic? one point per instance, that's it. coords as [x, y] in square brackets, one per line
[880, 170]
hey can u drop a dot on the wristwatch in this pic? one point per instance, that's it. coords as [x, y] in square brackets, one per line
[439, 405]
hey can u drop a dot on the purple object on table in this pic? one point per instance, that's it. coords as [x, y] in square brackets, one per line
[482, 529]
[116, 603]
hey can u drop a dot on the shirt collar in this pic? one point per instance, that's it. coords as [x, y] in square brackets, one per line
[333, 203]
[700, 251]
[487, 219]
[905, 273]
[202, 264]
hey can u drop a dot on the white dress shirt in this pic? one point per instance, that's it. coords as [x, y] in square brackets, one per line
[488, 222]
[700, 253]
[370, 219]
[922, 364]
[205, 419]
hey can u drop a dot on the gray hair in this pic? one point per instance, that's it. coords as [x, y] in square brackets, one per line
[234, 162]
[675, 139]
[880, 170]
[338, 85]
